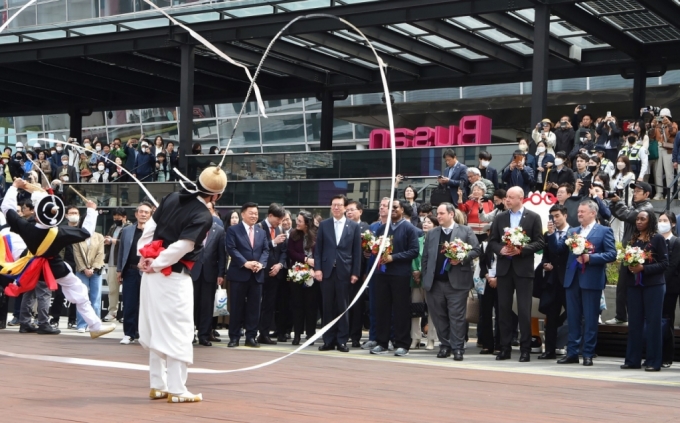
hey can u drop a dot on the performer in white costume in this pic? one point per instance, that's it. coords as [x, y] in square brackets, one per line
[170, 243]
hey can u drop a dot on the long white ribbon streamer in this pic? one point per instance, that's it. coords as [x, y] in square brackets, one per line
[6, 24]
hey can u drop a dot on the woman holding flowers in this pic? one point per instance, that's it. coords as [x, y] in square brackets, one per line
[418, 293]
[643, 263]
[304, 298]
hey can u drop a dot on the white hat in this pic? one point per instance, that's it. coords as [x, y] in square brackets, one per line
[20, 144]
[665, 112]
[36, 145]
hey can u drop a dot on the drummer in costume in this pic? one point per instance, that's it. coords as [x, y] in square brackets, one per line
[44, 239]
[170, 244]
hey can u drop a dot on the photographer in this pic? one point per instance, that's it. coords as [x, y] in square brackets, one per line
[564, 135]
[664, 131]
[628, 215]
[518, 174]
[542, 132]
[583, 143]
[609, 136]
[560, 174]
[636, 154]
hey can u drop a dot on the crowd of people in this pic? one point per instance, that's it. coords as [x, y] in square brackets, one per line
[598, 171]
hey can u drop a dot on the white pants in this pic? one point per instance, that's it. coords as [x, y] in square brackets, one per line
[663, 166]
[76, 292]
[167, 374]
[617, 227]
[417, 296]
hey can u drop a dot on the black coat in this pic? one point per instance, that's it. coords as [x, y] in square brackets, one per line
[672, 273]
[654, 269]
[278, 254]
[212, 259]
[522, 264]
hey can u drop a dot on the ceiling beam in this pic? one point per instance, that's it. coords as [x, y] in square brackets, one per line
[51, 85]
[473, 42]
[523, 31]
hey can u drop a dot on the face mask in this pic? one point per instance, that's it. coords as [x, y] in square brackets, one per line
[101, 168]
[563, 125]
[65, 163]
[73, 219]
[86, 145]
[20, 157]
[485, 163]
[65, 178]
[592, 168]
[631, 140]
[523, 147]
[620, 165]
[540, 150]
[20, 149]
[98, 148]
[559, 162]
[664, 227]
[5, 161]
[118, 222]
[59, 149]
[500, 206]
[422, 218]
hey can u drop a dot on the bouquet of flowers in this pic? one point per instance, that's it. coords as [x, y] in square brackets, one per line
[515, 237]
[367, 241]
[386, 252]
[301, 274]
[579, 245]
[455, 250]
[633, 256]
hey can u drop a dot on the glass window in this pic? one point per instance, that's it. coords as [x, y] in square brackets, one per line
[362, 131]
[124, 132]
[204, 111]
[82, 9]
[53, 122]
[247, 132]
[159, 114]
[206, 130]
[342, 130]
[314, 104]
[27, 17]
[670, 77]
[95, 119]
[52, 12]
[278, 148]
[287, 129]
[122, 117]
[609, 81]
[29, 124]
[92, 133]
[283, 106]
[233, 109]
[491, 90]
[375, 98]
[60, 135]
[7, 125]
[168, 130]
[433, 94]
[562, 85]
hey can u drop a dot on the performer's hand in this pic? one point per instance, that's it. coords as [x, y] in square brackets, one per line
[280, 239]
[318, 275]
[91, 205]
[220, 281]
[583, 258]
[353, 279]
[19, 183]
[88, 272]
[145, 265]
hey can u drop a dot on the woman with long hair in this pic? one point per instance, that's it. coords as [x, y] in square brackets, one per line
[646, 287]
[304, 299]
[418, 293]
[620, 183]
[158, 146]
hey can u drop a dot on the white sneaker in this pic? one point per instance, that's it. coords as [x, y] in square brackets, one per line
[658, 197]
[390, 346]
[103, 330]
[430, 344]
[127, 340]
[81, 330]
[109, 317]
[369, 345]
[615, 321]
[185, 397]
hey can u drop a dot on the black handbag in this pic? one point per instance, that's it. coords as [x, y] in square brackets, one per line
[440, 195]
[418, 310]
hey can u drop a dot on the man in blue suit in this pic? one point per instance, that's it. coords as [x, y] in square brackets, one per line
[454, 176]
[249, 251]
[337, 265]
[584, 286]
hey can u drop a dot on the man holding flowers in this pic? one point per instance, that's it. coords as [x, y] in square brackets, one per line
[447, 277]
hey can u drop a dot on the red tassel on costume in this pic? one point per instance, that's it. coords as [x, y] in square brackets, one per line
[30, 275]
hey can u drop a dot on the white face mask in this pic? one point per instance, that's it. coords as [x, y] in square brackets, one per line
[485, 163]
[101, 168]
[422, 218]
[65, 178]
[86, 145]
[620, 165]
[73, 219]
[98, 148]
[64, 163]
[523, 147]
[540, 150]
[664, 227]
[20, 149]
[59, 149]
[559, 162]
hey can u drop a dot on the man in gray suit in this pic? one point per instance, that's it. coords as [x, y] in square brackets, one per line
[447, 291]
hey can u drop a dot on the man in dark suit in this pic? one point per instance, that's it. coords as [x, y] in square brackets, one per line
[584, 286]
[515, 270]
[554, 264]
[519, 173]
[356, 314]
[447, 291]
[207, 274]
[249, 251]
[486, 170]
[337, 265]
[273, 271]
[454, 176]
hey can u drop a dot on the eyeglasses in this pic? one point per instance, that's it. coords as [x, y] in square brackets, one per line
[336, 206]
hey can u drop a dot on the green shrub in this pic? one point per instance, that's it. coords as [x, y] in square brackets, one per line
[613, 268]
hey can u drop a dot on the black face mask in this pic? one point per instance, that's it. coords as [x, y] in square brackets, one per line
[592, 168]
[631, 140]
[500, 206]
[118, 222]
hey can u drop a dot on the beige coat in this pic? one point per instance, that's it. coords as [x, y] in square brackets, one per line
[89, 256]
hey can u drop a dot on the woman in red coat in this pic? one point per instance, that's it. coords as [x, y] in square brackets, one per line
[475, 203]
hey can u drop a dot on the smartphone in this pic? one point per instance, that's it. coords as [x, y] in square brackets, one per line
[551, 218]
[518, 159]
[609, 114]
[582, 106]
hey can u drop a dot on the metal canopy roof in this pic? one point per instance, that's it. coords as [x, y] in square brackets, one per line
[133, 60]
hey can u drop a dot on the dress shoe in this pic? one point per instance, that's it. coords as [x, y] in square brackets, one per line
[568, 359]
[356, 344]
[282, 338]
[547, 356]
[652, 369]
[536, 344]
[343, 348]
[444, 352]
[3, 324]
[215, 334]
[458, 355]
[630, 367]
[486, 351]
[205, 342]
[524, 357]
[46, 329]
[296, 340]
[587, 361]
[266, 340]
[214, 339]
[233, 343]
[185, 397]
[103, 330]
[23, 328]
[326, 347]
[504, 355]
[195, 341]
[252, 343]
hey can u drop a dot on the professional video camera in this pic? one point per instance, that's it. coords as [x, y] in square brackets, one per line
[652, 109]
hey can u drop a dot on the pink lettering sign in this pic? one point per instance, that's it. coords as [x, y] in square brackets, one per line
[471, 130]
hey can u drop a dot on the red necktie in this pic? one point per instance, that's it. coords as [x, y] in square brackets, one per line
[251, 235]
[272, 232]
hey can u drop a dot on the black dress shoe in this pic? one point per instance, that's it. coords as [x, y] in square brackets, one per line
[3, 324]
[356, 344]
[296, 340]
[266, 340]
[458, 355]
[587, 361]
[326, 347]
[214, 339]
[27, 328]
[46, 329]
[524, 357]
[252, 343]
[652, 369]
[282, 338]
[343, 348]
[630, 367]
[486, 351]
[573, 359]
[547, 356]
[215, 334]
[205, 342]
[444, 352]
[233, 343]
[504, 355]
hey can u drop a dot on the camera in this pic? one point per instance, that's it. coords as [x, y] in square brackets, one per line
[652, 109]
[582, 106]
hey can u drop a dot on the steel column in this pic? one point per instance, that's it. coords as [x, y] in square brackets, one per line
[539, 77]
[186, 106]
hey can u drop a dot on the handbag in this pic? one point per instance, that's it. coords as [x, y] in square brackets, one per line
[220, 308]
[654, 150]
[439, 195]
[418, 310]
[473, 307]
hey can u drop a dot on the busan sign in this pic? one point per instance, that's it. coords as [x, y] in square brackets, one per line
[471, 130]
